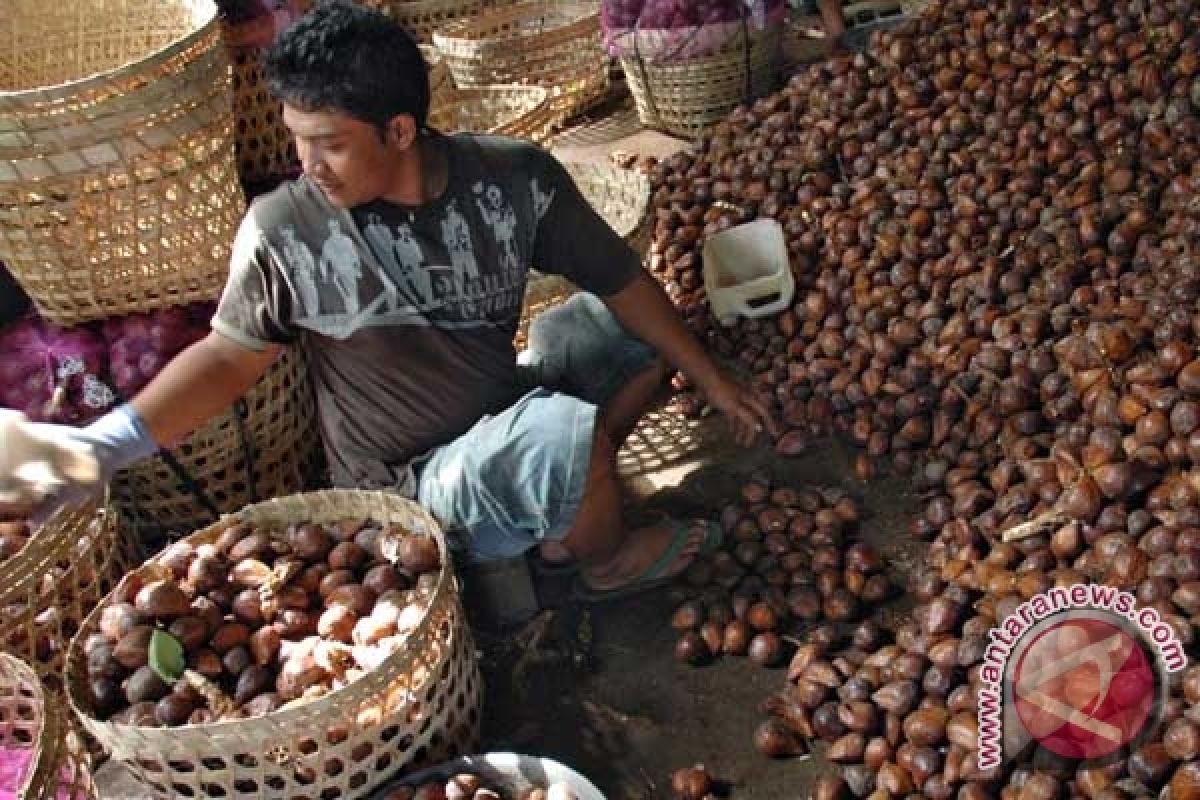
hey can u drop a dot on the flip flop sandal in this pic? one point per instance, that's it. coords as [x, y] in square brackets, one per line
[654, 576]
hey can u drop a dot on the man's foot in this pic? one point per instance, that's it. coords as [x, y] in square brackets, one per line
[677, 542]
[555, 553]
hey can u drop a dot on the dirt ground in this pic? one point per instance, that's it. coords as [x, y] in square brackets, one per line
[620, 708]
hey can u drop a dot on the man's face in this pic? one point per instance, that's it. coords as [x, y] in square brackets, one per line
[347, 158]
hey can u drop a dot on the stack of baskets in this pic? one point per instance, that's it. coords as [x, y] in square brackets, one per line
[621, 196]
[554, 45]
[509, 110]
[37, 733]
[421, 705]
[119, 193]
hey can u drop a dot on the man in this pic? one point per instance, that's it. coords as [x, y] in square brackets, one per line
[425, 396]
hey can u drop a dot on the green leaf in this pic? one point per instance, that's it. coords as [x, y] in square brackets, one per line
[166, 656]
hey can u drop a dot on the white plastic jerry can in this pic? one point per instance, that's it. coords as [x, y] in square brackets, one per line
[746, 271]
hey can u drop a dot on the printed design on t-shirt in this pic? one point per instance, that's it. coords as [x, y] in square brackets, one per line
[341, 265]
[404, 277]
[377, 270]
[304, 272]
[541, 200]
[498, 213]
[456, 235]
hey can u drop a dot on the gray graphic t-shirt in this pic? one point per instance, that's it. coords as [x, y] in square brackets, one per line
[407, 314]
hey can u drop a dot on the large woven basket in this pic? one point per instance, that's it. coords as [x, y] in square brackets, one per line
[622, 197]
[265, 149]
[552, 44]
[521, 111]
[34, 720]
[265, 446]
[422, 705]
[56, 580]
[686, 97]
[118, 178]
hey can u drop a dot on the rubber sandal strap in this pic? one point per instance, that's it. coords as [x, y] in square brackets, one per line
[683, 534]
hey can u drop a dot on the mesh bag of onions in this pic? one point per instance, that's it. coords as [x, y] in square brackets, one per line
[54, 374]
[140, 345]
[679, 30]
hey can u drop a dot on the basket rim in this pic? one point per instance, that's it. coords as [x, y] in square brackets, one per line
[445, 591]
[537, 98]
[207, 27]
[16, 575]
[471, 31]
[732, 47]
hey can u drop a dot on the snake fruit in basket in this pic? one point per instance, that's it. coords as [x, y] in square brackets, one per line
[258, 620]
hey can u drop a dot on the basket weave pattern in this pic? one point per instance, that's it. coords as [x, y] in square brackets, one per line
[422, 705]
[520, 111]
[30, 719]
[284, 444]
[118, 185]
[422, 17]
[556, 45]
[687, 97]
[264, 147]
[56, 580]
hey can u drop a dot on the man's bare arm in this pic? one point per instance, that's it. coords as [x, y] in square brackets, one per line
[644, 309]
[198, 384]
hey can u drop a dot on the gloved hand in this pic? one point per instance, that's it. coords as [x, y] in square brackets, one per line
[115, 441]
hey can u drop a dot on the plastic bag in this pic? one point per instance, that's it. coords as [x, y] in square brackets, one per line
[54, 374]
[663, 31]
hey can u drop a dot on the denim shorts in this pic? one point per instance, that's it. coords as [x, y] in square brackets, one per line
[517, 478]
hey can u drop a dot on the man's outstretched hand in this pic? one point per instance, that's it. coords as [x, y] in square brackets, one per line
[45, 467]
[749, 414]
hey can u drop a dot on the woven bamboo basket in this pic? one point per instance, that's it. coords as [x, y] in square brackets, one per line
[267, 446]
[422, 705]
[684, 98]
[46, 589]
[265, 149]
[556, 45]
[118, 178]
[520, 111]
[440, 80]
[622, 197]
[422, 17]
[32, 719]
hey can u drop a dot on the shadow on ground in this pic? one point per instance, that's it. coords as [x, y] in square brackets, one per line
[599, 689]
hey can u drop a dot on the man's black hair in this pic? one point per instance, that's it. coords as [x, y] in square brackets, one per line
[348, 58]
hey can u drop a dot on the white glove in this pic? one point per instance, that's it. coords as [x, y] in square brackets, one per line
[45, 467]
